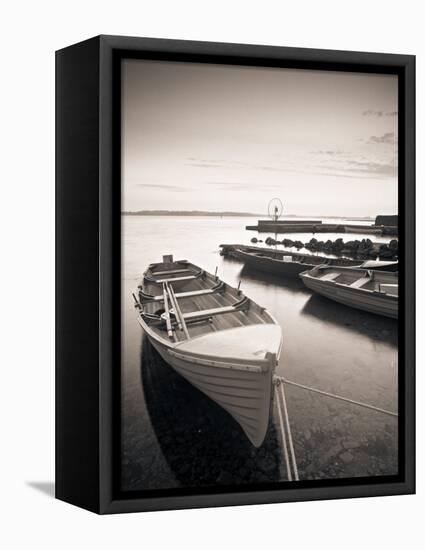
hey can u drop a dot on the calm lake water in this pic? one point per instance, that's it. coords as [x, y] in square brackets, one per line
[173, 436]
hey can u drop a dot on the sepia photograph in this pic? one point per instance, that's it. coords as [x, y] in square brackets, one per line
[259, 276]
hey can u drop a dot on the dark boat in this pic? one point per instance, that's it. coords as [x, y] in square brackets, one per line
[291, 264]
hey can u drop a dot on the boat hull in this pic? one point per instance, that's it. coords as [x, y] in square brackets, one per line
[269, 265]
[246, 395]
[222, 342]
[363, 229]
[291, 268]
[373, 302]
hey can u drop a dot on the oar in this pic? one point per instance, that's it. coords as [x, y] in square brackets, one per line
[179, 314]
[167, 312]
[136, 301]
[173, 304]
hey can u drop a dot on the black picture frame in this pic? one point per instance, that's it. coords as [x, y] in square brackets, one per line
[88, 270]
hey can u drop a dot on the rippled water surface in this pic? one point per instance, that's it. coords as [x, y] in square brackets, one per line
[173, 436]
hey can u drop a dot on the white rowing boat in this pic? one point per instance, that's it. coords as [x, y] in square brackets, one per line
[366, 289]
[222, 342]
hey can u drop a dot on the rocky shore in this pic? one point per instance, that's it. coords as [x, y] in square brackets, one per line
[357, 249]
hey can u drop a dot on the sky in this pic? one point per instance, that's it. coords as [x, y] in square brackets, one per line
[212, 137]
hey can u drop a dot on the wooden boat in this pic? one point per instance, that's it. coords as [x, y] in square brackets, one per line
[363, 229]
[366, 289]
[222, 342]
[381, 265]
[289, 264]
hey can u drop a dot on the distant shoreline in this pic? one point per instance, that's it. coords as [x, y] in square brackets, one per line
[207, 213]
[190, 213]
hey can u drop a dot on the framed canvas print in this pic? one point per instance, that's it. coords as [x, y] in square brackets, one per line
[235, 274]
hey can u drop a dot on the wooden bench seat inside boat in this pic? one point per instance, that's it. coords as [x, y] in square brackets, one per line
[330, 276]
[186, 294]
[172, 272]
[176, 279]
[199, 303]
[389, 289]
[209, 312]
[360, 282]
[190, 294]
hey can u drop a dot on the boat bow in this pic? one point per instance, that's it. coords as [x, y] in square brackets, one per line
[235, 369]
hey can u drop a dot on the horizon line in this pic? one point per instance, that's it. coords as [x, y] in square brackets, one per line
[232, 213]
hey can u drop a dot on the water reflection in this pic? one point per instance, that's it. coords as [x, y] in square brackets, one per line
[291, 284]
[201, 443]
[373, 326]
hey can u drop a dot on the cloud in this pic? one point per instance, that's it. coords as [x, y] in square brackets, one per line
[372, 168]
[237, 165]
[329, 152]
[344, 164]
[203, 165]
[388, 137]
[379, 114]
[240, 185]
[332, 162]
[215, 163]
[371, 112]
[228, 184]
[178, 188]
[273, 168]
[366, 170]
[341, 175]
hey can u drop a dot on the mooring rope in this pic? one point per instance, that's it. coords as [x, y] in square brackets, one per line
[288, 428]
[285, 426]
[285, 447]
[334, 396]
[285, 429]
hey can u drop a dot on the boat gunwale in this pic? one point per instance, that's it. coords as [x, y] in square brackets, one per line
[280, 262]
[172, 348]
[300, 258]
[172, 345]
[258, 366]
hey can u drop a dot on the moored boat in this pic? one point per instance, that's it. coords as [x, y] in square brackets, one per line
[289, 264]
[221, 341]
[365, 289]
[363, 229]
